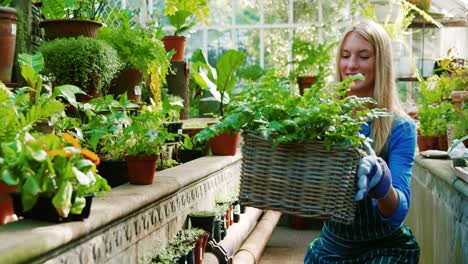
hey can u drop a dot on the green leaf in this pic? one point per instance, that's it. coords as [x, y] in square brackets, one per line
[62, 199]
[68, 92]
[36, 61]
[226, 68]
[9, 178]
[31, 185]
[78, 205]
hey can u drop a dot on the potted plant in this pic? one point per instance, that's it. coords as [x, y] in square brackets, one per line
[101, 131]
[435, 112]
[189, 150]
[220, 81]
[183, 15]
[87, 63]
[55, 178]
[72, 18]
[143, 139]
[138, 50]
[8, 20]
[203, 220]
[310, 62]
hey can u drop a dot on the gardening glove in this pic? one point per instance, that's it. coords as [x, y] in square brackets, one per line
[374, 177]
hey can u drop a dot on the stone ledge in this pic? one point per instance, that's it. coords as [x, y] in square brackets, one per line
[109, 227]
[441, 169]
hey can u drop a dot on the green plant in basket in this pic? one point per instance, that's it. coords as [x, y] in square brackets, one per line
[324, 113]
[51, 166]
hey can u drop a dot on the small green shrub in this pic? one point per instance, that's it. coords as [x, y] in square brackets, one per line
[85, 62]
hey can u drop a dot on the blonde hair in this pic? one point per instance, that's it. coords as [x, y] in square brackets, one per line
[385, 92]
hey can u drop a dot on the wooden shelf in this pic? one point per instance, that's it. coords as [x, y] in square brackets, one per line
[420, 22]
[408, 79]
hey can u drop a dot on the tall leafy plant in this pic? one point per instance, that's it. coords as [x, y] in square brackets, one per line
[220, 81]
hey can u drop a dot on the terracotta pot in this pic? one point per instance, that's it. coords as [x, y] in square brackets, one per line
[458, 97]
[224, 144]
[178, 44]
[200, 247]
[422, 4]
[442, 142]
[141, 169]
[68, 28]
[7, 213]
[8, 17]
[125, 82]
[305, 82]
[428, 142]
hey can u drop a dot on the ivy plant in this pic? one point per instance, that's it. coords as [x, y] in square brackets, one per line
[324, 113]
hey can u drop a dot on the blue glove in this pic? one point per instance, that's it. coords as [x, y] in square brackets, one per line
[374, 177]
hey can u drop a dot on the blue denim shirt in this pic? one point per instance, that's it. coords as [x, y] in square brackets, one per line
[401, 150]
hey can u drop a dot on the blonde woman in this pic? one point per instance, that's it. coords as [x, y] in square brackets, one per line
[377, 234]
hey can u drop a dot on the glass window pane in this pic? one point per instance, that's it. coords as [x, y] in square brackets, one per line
[248, 12]
[218, 43]
[305, 11]
[249, 43]
[276, 12]
[276, 49]
[220, 13]
[194, 41]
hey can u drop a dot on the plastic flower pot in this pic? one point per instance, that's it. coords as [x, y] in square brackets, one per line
[141, 169]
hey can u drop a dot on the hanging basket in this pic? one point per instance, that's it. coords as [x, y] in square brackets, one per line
[303, 179]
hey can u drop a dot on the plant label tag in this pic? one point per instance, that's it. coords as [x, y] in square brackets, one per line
[13, 29]
[179, 131]
[137, 90]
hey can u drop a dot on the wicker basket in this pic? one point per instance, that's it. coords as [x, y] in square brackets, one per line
[300, 179]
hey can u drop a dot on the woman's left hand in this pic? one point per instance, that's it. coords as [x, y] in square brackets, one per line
[374, 177]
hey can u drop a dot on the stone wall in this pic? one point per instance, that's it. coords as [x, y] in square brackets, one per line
[438, 214]
[127, 224]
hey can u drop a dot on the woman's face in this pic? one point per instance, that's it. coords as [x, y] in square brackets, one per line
[358, 56]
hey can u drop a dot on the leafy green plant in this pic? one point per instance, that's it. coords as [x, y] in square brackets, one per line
[50, 166]
[251, 72]
[5, 2]
[311, 59]
[136, 47]
[146, 134]
[77, 9]
[220, 81]
[203, 213]
[21, 111]
[184, 14]
[434, 109]
[101, 128]
[324, 113]
[85, 62]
